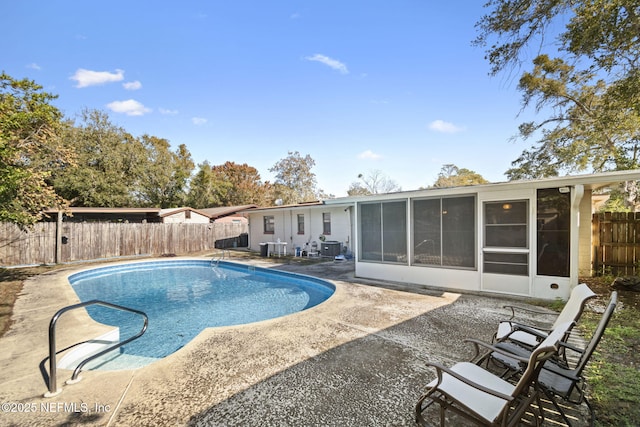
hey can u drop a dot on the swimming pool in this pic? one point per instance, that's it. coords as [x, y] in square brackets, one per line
[183, 297]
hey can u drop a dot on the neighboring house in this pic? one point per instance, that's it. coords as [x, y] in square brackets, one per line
[229, 213]
[526, 238]
[184, 216]
[82, 214]
[138, 215]
[304, 226]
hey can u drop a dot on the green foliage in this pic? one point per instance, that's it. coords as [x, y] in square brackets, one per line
[452, 176]
[166, 173]
[294, 181]
[30, 149]
[613, 383]
[229, 184]
[590, 92]
[110, 162]
[244, 185]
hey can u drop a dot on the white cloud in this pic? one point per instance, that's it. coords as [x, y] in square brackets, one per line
[329, 62]
[167, 112]
[130, 107]
[34, 66]
[198, 121]
[368, 154]
[87, 78]
[444, 127]
[132, 85]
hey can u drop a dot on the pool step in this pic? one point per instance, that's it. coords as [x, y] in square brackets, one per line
[79, 353]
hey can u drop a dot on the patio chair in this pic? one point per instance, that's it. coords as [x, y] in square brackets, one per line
[558, 378]
[483, 397]
[313, 251]
[529, 335]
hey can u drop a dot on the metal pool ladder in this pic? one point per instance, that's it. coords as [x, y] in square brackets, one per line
[215, 260]
[53, 389]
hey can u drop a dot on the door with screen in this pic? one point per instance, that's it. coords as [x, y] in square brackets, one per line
[506, 246]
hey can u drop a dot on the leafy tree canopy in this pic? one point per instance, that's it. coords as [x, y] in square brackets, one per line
[110, 163]
[453, 176]
[294, 181]
[585, 77]
[30, 149]
[245, 185]
[207, 189]
[166, 173]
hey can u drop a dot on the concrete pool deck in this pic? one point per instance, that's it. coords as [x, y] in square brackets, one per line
[355, 360]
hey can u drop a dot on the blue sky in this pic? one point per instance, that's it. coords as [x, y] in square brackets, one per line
[358, 85]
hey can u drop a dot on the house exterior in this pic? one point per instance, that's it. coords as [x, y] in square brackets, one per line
[302, 225]
[525, 238]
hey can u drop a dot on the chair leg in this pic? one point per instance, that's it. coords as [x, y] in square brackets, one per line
[551, 397]
[540, 417]
[591, 413]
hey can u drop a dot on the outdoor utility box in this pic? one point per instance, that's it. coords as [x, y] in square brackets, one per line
[264, 249]
[330, 248]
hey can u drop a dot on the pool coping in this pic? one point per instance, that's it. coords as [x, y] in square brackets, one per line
[359, 354]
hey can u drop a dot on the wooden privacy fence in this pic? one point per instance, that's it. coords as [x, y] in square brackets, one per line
[94, 241]
[616, 243]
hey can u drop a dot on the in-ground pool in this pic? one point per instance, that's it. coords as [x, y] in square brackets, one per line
[183, 297]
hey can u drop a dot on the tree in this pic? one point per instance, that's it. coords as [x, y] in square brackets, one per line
[207, 189]
[375, 182]
[245, 186]
[452, 176]
[294, 181]
[30, 149]
[166, 173]
[591, 91]
[110, 164]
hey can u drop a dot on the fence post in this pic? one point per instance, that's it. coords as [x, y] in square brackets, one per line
[58, 242]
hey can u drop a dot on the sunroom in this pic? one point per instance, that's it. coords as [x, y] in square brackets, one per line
[526, 238]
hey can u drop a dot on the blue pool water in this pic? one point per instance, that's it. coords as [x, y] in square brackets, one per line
[181, 298]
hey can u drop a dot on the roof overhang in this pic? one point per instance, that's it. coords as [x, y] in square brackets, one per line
[588, 182]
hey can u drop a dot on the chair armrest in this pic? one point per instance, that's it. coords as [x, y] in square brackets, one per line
[441, 368]
[539, 333]
[571, 347]
[515, 308]
[491, 349]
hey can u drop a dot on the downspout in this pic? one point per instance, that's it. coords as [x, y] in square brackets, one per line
[576, 198]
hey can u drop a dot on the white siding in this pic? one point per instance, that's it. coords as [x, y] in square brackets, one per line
[286, 226]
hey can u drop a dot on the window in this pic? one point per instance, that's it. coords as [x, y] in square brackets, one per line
[269, 224]
[383, 232]
[506, 240]
[552, 232]
[187, 214]
[444, 232]
[371, 232]
[300, 224]
[326, 223]
[506, 224]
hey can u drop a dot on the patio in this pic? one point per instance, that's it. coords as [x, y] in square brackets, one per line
[357, 359]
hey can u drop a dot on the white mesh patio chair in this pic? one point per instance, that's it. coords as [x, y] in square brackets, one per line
[531, 335]
[484, 398]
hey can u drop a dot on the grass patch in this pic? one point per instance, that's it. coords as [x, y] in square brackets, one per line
[613, 377]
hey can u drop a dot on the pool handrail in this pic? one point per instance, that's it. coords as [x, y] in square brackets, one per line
[220, 256]
[53, 390]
